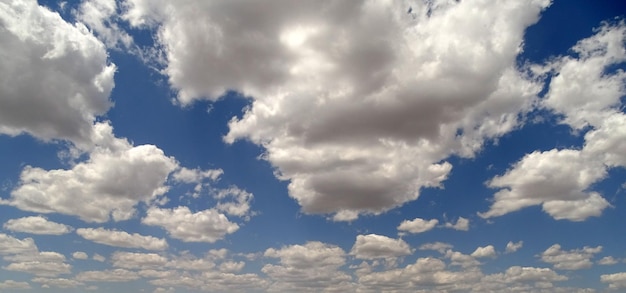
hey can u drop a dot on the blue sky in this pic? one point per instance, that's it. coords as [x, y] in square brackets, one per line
[312, 146]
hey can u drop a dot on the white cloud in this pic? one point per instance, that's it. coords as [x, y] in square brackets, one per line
[36, 225]
[10, 284]
[574, 259]
[462, 260]
[437, 246]
[100, 16]
[116, 275]
[482, 252]
[607, 261]
[522, 279]
[133, 260]
[462, 224]
[417, 225]
[57, 282]
[40, 268]
[122, 239]
[513, 246]
[231, 266]
[56, 80]
[233, 201]
[80, 255]
[339, 110]
[108, 185]
[586, 94]
[616, 281]
[98, 257]
[11, 245]
[311, 267]
[180, 223]
[374, 246]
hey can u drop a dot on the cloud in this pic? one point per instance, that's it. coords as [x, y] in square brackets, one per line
[575, 259]
[36, 225]
[122, 239]
[98, 257]
[101, 17]
[462, 224]
[10, 284]
[311, 267]
[132, 260]
[417, 225]
[11, 245]
[560, 180]
[57, 282]
[483, 252]
[108, 185]
[437, 246]
[56, 78]
[180, 223]
[116, 275]
[374, 246]
[607, 261]
[40, 267]
[513, 246]
[338, 110]
[525, 279]
[80, 255]
[231, 266]
[616, 281]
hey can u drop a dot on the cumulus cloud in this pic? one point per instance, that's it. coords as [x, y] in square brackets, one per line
[80, 255]
[374, 246]
[116, 275]
[462, 224]
[343, 93]
[574, 259]
[133, 260]
[56, 78]
[108, 185]
[615, 281]
[180, 223]
[122, 239]
[513, 246]
[525, 279]
[11, 245]
[586, 93]
[608, 261]
[44, 263]
[101, 16]
[37, 225]
[312, 267]
[437, 246]
[483, 252]
[57, 282]
[417, 225]
[11, 285]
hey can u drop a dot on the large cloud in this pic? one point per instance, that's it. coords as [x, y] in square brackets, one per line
[55, 76]
[357, 103]
[108, 185]
[586, 94]
[203, 226]
[37, 225]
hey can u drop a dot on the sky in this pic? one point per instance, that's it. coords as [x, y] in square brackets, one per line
[312, 146]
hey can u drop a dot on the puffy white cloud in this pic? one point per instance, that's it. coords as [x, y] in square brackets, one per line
[233, 201]
[231, 266]
[607, 261]
[345, 92]
[11, 285]
[131, 260]
[56, 78]
[615, 281]
[57, 282]
[574, 259]
[486, 251]
[80, 255]
[40, 268]
[312, 267]
[522, 279]
[437, 246]
[116, 275]
[513, 246]
[462, 224]
[11, 245]
[462, 260]
[108, 185]
[180, 223]
[122, 239]
[418, 225]
[374, 246]
[98, 257]
[36, 225]
[586, 93]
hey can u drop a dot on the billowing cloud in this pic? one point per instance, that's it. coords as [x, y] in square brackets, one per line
[417, 225]
[108, 185]
[180, 223]
[57, 282]
[344, 93]
[133, 260]
[11, 245]
[80, 255]
[608, 261]
[374, 246]
[615, 281]
[525, 279]
[574, 259]
[486, 251]
[55, 76]
[99, 16]
[122, 239]
[312, 267]
[586, 93]
[116, 275]
[36, 225]
[13, 285]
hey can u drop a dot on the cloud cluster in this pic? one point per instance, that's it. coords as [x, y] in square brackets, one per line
[575, 259]
[344, 93]
[122, 239]
[36, 225]
[23, 255]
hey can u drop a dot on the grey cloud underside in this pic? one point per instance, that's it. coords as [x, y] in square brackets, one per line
[358, 104]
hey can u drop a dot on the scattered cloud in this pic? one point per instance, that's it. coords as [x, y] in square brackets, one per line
[615, 281]
[14, 285]
[574, 259]
[374, 246]
[80, 255]
[607, 261]
[417, 225]
[180, 223]
[36, 225]
[513, 246]
[122, 239]
[484, 252]
[462, 224]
